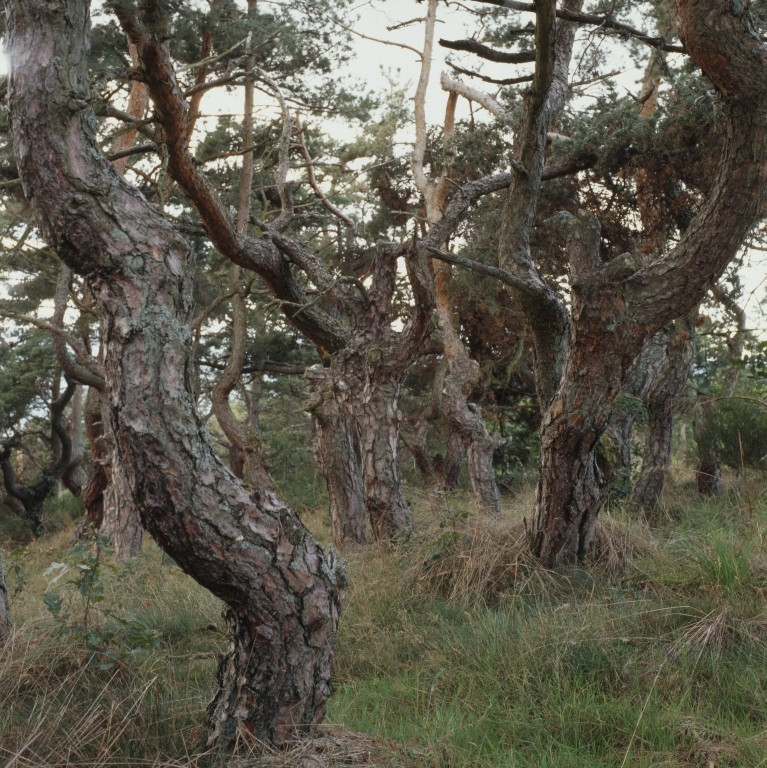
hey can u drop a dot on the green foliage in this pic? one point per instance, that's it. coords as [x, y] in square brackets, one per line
[109, 634]
[726, 562]
[736, 430]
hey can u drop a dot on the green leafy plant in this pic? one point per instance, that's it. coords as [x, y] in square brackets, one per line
[76, 605]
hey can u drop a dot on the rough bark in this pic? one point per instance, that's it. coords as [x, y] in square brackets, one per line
[378, 418]
[338, 457]
[568, 496]
[98, 477]
[281, 590]
[5, 609]
[121, 523]
[662, 401]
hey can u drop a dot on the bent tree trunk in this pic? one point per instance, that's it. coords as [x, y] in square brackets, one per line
[660, 411]
[5, 609]
[461, 377]
[282, 592]
[568, 496]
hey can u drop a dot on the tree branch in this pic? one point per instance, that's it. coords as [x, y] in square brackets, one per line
[606, 22]
[488, 53]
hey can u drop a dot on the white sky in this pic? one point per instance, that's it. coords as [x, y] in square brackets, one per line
[372, 60]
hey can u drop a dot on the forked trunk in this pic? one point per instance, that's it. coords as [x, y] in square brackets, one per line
[661, 404]
[5, 609]
[282, 592]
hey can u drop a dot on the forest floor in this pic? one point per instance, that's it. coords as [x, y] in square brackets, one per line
[453, 650]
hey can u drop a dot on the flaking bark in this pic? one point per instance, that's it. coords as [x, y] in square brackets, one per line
[282, 591]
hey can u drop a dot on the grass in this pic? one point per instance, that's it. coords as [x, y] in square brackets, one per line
[453, 651]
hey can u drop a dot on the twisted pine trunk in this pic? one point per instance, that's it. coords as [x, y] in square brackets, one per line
[660, 411]
[282, 593]
[568, 496]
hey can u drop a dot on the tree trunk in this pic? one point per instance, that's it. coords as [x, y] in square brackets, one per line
[461, 377]
[98, 477]
[282, 592]
[660, 411]
[121, 523]
[568, 496]
[355, 402]
[338, 459]
[636, 385]
[74, 475]
[440, 472]
[378, 418]
[5, 609]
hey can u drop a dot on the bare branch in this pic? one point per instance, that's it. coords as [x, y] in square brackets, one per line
[313, 181]
[605, 22]
[419, 148]
[486, 52]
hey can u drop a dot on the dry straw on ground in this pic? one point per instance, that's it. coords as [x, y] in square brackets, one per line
[482, 557]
